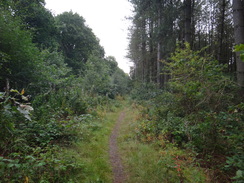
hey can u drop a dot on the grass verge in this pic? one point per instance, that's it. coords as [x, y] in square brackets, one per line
[153, 160]
[91, 150]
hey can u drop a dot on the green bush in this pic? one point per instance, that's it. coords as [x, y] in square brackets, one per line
[31, 147]
[200, 108]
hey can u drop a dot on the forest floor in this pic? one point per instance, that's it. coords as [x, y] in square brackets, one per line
[118, 152]
[140, 158]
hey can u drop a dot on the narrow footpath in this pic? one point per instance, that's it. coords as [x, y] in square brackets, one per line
[115, 159]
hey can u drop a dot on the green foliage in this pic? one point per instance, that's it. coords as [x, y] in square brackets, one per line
[18, 55]
[198, 81]
[33, 149]
[12, 112]
[76, 40]
[52, 73]
[97, 76]
[240, 48]
[103, 77]
[144, 91]
[200, 109]
[36, 18]
[42, 165]
[120, 82]
[67, 108]
[150, 159]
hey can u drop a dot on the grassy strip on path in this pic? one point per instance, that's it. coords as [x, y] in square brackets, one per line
[152, 161]
[149, 161]
[92, 151]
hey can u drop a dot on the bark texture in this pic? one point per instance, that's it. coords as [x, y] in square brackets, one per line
[188, 21]
[238, 15]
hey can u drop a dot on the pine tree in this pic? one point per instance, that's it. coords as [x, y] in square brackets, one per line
[238, 15]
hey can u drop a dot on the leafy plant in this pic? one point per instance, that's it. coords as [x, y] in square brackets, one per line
[199, 109]
[240, 48]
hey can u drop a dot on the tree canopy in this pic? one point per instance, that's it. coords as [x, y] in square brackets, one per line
[185, 90]
[77, 41]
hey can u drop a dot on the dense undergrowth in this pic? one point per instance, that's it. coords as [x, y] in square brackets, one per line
[55, 84]
[69, 84]
[201, 109]
[34, 145]
[148, 158]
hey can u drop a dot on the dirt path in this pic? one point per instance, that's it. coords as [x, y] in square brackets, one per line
[117, 167]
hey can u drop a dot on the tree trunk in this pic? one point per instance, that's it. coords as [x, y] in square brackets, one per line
[221, 33]
[158, 62]
[238, 16]
[159, 49]
[193, 24]
[7, 90]
[151, 52]
[143, 49]
[188, 21]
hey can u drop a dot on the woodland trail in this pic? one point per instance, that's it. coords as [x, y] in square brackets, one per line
[115, 159]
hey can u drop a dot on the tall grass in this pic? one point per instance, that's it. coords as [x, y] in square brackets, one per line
[151, 160]
[92, 150]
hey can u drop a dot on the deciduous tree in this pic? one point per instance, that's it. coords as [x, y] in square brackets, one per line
[77, 40]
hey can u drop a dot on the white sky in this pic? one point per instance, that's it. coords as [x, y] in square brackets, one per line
[107, 19]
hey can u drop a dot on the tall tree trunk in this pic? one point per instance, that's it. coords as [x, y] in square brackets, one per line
[187, 21]
[221, 31]
[159, 47]
[193, 24]
[151, 52]
[158, 62]
[143, 53]
[238, 16]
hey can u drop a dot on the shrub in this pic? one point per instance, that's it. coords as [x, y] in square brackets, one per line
[200, 108]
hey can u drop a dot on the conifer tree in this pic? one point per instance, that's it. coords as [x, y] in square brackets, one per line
[238, 15]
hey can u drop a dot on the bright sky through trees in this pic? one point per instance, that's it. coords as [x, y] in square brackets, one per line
[106, 18]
